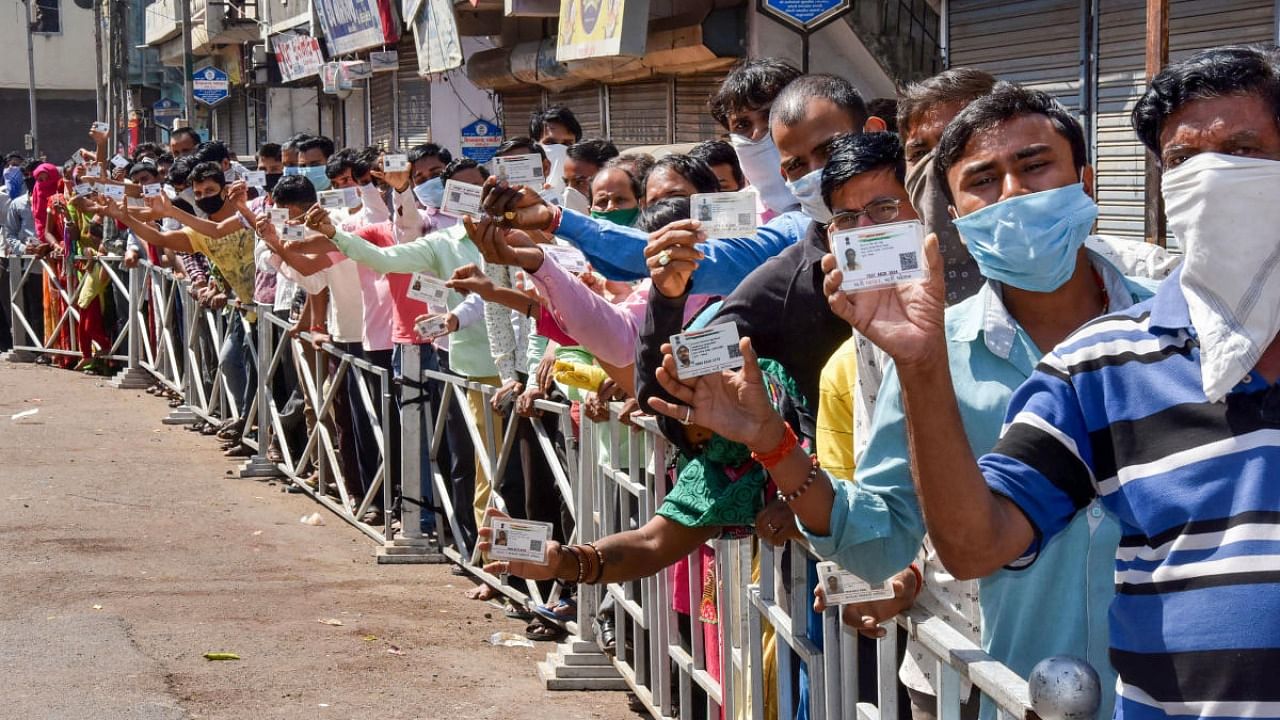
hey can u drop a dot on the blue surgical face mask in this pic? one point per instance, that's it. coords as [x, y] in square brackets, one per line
[317, 177]
[430, 193]
[292, 170]
[1030, 241]
[808, 191]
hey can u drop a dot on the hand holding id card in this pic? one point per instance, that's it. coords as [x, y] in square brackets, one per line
[519, 169]
[523, 540]
[432, 327]
[725, 214]
[429, 290]
[461, 200]
[842, 587]
[702, 352]
[566, 256]
[395, 163]
[339, 199]
[293, 232]
[879, 256]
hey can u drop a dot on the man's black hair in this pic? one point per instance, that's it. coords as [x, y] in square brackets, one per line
[595, 151]
[750, 85]
[213, 151]
[165, 158]
[347, 158]
[636, 171]
[316, 142]
[697, 172]
[294, 190]
[271, 151]
[461, 164]
[429, 150]
[180, 171]
[885, 108]
[294, 141]
[1006, 102]
[854, 154]
[147, 149]
[144, 165]
[1231, 70]
[960, 85]
[189, 132]
[15, 155]
[524, 143]
[563, 115]
[655, 216]
[207, 171]
[792, 103]
[719, 152]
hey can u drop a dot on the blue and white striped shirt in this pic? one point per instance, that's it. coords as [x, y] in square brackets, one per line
[1117, 412]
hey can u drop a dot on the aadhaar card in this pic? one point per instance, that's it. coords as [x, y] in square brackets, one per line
[99, 126]
[844, 588]
[83, 190]
[279, 215]
[879, 256]
[339, 198]
[395, 163]
[293, 232]
[427, 289]
[706, 351]
[432, 327]
[119, 161]
[566, 256]
[519, 169]
[519, 540]
[152, 190]
[256, 178]
[93, 171]
[115, 192]
[461, 200]
[725, 214]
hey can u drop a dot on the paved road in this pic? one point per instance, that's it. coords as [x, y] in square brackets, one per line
[127, 551]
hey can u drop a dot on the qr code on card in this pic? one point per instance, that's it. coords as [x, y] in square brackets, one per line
[908, 261]
[734, 352]
[535, 546]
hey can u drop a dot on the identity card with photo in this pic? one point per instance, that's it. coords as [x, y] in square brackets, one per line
[427, 289]
[338, 199]
[725, 214]
[702, 352]
[152, 190]
[93, 171]
[293, 232]
[520, 169]
[461, 200]
[520, 540]
[119, 161]
[432, 327]
[279, 215]
[879, 256]
[115, 192]
[84, 190]
[395, 163]
[843, 587]
[256, 178]
[100, 126]
[135, 202]
[566, 256]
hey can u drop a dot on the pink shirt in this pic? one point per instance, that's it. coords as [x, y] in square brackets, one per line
[375, 291]
[404, 309]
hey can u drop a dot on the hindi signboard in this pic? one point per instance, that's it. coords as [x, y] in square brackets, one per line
[350, 25]
[298, 56]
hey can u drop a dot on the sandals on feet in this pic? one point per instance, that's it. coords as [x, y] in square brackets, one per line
[542, 631]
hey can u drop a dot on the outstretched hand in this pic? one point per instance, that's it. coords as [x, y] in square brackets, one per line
[519, 568]
[518, 207]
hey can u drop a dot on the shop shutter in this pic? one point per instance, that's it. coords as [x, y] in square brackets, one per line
[238, 135]
[382, 109]
[640, 113]
[693, 121]
[585, 101]
[517, 106]
[413, 99]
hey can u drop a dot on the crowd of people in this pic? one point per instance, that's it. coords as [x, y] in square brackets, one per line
[1057, 441]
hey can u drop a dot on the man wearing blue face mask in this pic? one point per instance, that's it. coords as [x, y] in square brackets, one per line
[426, 163]
[313, 155]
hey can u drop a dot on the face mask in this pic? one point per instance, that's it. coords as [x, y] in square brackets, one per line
[626, 217]
[556, 155]
[272, 179]
[210, 205]
[316, 175]
[292, 170]
[808, 191]
[13, 182]
[1030, 241]
[430, 193]
[576, 201]
[1223, 210]
[960, 271]
[760, 162]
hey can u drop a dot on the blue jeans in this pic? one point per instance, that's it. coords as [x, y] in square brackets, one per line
[234, 358]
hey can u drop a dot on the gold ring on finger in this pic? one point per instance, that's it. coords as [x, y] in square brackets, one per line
[664, 258]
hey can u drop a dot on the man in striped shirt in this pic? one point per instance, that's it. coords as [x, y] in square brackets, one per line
[1125, 410]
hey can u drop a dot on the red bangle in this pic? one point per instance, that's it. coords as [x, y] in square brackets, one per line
[788, 443]
[919, 580]
[317, 328]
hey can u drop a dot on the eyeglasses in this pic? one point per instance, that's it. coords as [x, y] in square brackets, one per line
[878, 212]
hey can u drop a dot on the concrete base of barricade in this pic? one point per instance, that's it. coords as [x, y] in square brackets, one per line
[181, 415]
[18, 356]
[579, 665]
[131, 379]
[260, 467]
[410, 551]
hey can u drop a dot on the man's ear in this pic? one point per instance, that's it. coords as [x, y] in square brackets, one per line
[1087, 178]
[874, 124]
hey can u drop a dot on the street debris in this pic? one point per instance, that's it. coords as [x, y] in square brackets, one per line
[221, 656]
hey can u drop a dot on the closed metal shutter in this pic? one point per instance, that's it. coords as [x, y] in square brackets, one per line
[413, 99]
[239, 127]
[640, 113]
[517, 107]
[1121, 28]
[1035, 43]
[692, 118]
[382, 109]
[585, 102]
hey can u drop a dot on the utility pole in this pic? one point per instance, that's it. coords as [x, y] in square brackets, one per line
[99, 96]
[31, 81]
[188, 91]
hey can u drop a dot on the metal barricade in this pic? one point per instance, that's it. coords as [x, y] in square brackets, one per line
[68, 279]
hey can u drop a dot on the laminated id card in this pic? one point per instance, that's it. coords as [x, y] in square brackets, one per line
[395, 163]
[461, 200]
[519, 169]
[256, 178]
[339, 199]
[843, 587]
[520, 540]
[566, 256]
[115, 192]
[100, 126]
[725, 214]
[120, 161]
[83, 190]
[432, 327]
[427, 289]
[293, 232]
[702, 352]
[279, 215]
[152, 190]
[879, 256]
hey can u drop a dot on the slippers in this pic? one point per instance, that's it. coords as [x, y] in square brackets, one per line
[517, 612]
[541, 631]
[563, 611]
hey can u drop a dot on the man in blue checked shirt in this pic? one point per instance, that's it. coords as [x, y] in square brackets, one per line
[1167, 412]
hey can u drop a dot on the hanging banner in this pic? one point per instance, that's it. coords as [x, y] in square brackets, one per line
[357, 70]
[480, 140]
[601, 28]
[350, 25]
[435, 34]
[298, 56]
[384, 61]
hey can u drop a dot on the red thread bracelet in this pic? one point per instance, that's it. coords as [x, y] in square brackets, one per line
[786, 444]
[919, 580]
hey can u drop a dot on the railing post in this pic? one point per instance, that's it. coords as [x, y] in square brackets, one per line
[15, 312]
[410, 545]
[183, 414]
[133, 376]
[259, 466]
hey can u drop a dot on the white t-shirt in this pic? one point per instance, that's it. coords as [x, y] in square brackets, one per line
[346, 304]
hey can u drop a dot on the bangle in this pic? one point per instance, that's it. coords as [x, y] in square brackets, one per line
[599, 559]
[785, 445]
[804, 487]
[915, 570]
[577, 557]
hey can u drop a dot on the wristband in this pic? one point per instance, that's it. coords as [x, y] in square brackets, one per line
[804, 487]
[785, 445]
[915, 570]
